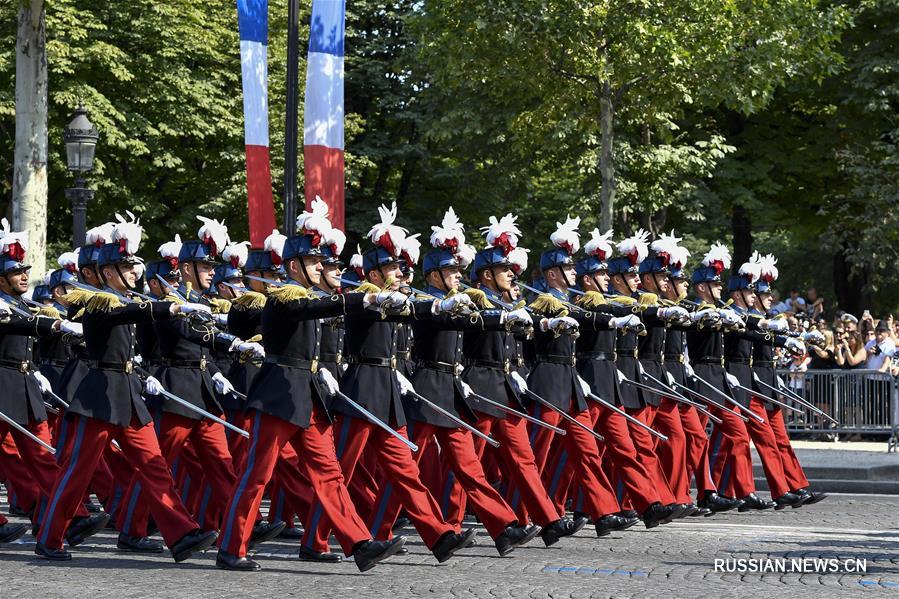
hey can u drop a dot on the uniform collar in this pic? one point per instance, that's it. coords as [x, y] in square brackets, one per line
[62, 309]
[10, 299]
[557, 293]
[436, 292]
[491, 294]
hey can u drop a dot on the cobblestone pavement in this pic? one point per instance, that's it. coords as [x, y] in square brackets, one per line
[676, 560]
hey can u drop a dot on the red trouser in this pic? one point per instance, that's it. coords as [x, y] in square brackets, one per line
[517, 457]
[364, 483]
[292, 486]
[316, 444]
[729, 457]
[766, 444]
[208, 441]
[90, 437]
[792, 469]
[457, 450]
[22, 490]
[697, 450]
[644, 445]
[672, 454]
[399, 468]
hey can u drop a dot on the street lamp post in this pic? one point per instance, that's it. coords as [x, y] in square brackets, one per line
[80, 137]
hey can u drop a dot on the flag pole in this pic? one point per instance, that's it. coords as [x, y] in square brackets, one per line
[290, 135]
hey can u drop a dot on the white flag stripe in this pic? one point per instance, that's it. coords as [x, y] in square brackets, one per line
[323, 112]
[254, 67]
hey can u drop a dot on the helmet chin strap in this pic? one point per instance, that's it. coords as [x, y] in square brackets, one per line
[568, 283]
[125, 284]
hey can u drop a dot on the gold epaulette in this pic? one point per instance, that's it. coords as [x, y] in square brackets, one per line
[649, 299]
[219, 305]
[79, 297]
[249, 300]
[171, 297]
[365, 287]
[548, 304]
[102, 302]
[288, 293]
[591, 299]
[50, 311]
[479, 298]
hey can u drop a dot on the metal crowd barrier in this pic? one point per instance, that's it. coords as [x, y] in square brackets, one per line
[862, 401]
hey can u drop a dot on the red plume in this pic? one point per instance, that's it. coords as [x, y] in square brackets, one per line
[665, 258]
[16, 251]
[235, 261]
[210, 243]
[503, 241]
[72, 268]
[123, 246]
[276, 259]
[173, 261]
[387, 243]
[718, 265]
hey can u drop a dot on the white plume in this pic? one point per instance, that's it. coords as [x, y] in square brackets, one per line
[768, 268]
[171, 249]
[336, 239]
[502, 233]
[315, 221]
[566, 236]
[679, 255]
[717, 256]
[518, 258]
[386, 234]
[752, 270]
[356, 260]
[68, 261]
[465, 255]
[450, 234]
[411, 249]
[127, 233]
[9, 238]
[213, 233]
[236, 254]
[275, 243]
[100, 234]
[600, 245]
[635, 247]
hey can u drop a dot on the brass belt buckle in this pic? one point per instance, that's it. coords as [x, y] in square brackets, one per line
[393, 362]
[457, 370]
[339, 358]
[573, 360]
[507, 366]
[128, 367]
[519, 361]
[313, 366]
[203, 363]
[23, 367]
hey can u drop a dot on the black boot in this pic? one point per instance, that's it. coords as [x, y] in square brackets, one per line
[369, 553]
[310, 555]
[719, 503]
[138, 544]
[57, 555]
[265, 531]
[789, 500]
[563, 527]
[754, 502]
[515, 536]
[9, 532]
[811, 496]
[692, 510]
[193, 542]
[451, 542]
[608, 523]
[702, 512]
[83, 528]
[226, 561]
[657, 514]
[294, 532]
[679, 510]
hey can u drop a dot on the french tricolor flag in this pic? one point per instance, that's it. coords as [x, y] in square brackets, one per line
[323, 112]
[252, 20]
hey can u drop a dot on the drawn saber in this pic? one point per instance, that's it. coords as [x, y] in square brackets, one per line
[676, 396]
[568, 304]
[377, 421]
[453, 417]
[563, 414]
[27, 433]
[710, 401]
[730, 399]
[498, 302]
[514, 412]
[627, 416]
[797, 399]
[752, 392]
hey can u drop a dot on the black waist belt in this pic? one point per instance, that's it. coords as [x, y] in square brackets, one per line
[404, 355]
[292, 362]
[504, 366]
[195, 364]
[626, 353]
[674, 358]
[54, 362]
[453, 369]
[763, 363]
[380, 362]
[719, 361]
[115, 366]
[597, 355]
[652, 357]
[333, 358]
[22, 366]
[553, 359]
[739, 361]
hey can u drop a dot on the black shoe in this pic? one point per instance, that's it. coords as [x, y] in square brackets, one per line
[83, 528]
[515, 536]
[451, 542]
[563, 527]
[626, 523]
[138, 544]
[226, 561]
[402, 522]
[788, 500]
[310, 555]
[193, 542]
[754, 502]
[718, 503]
[264, 531]
[657, 514]
[702, 512]
[608, 523]
[57, 555]
[9, 532]
[679, 510]
[628, 514]
[692, 510]
[294, 532]
[811, 496]
[369, 553]
[92, 507]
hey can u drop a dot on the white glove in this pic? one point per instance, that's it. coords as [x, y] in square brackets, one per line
[221, 319]
[4, 308]
[390, 299]
[732, 380]
[730, 317]
[813, 337]
[795, 346]
[405, 384]
[222, 385]
[466, 389]
[519, 315]
[585, 386]
[621, 377]
[138, 359]
[72, 328]
[670, 378]
[450, 304]
[328, 381]
[630, 321]
[254, 348]
[42, 382]
[704, 314]
[776, 325]
[190, 308]
[780, 381]
[562, 324]
[152, 386]
[675, 313]
[518, 383]
[689, 370]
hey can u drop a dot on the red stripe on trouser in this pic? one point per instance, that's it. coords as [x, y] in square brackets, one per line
[697, 450]
[792, 468]
[208, 442]
[672, 453]
[643, 444]
[17, 475]
[521, 468]
[401, 470]
[766, 445]
[142, 451]
[316, 445]
[364, 483]
[733, 451]
[457, 449]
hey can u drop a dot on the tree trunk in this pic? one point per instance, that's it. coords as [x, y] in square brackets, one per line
[741, 228]
[29, 195]
[606, 164]
[850, 285]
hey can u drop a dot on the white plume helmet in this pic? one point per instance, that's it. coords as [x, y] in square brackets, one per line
[465, 255]
[236, 254]
[315, 222]
[566, 236]
[386, 234]
[665, 247]
[101, 234]
[14, 243]
[752, 270]
[450, 234]
[410, 249]
[678, 257]
[335, 239]
[518, 260]
[356, 261]
[635, 247]
[68, 261]
[718, 257]
[274, 245]
[213, 234]
[767, 268]
[600, 246]
[170, 250]
[127, 233]
[502, 233]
